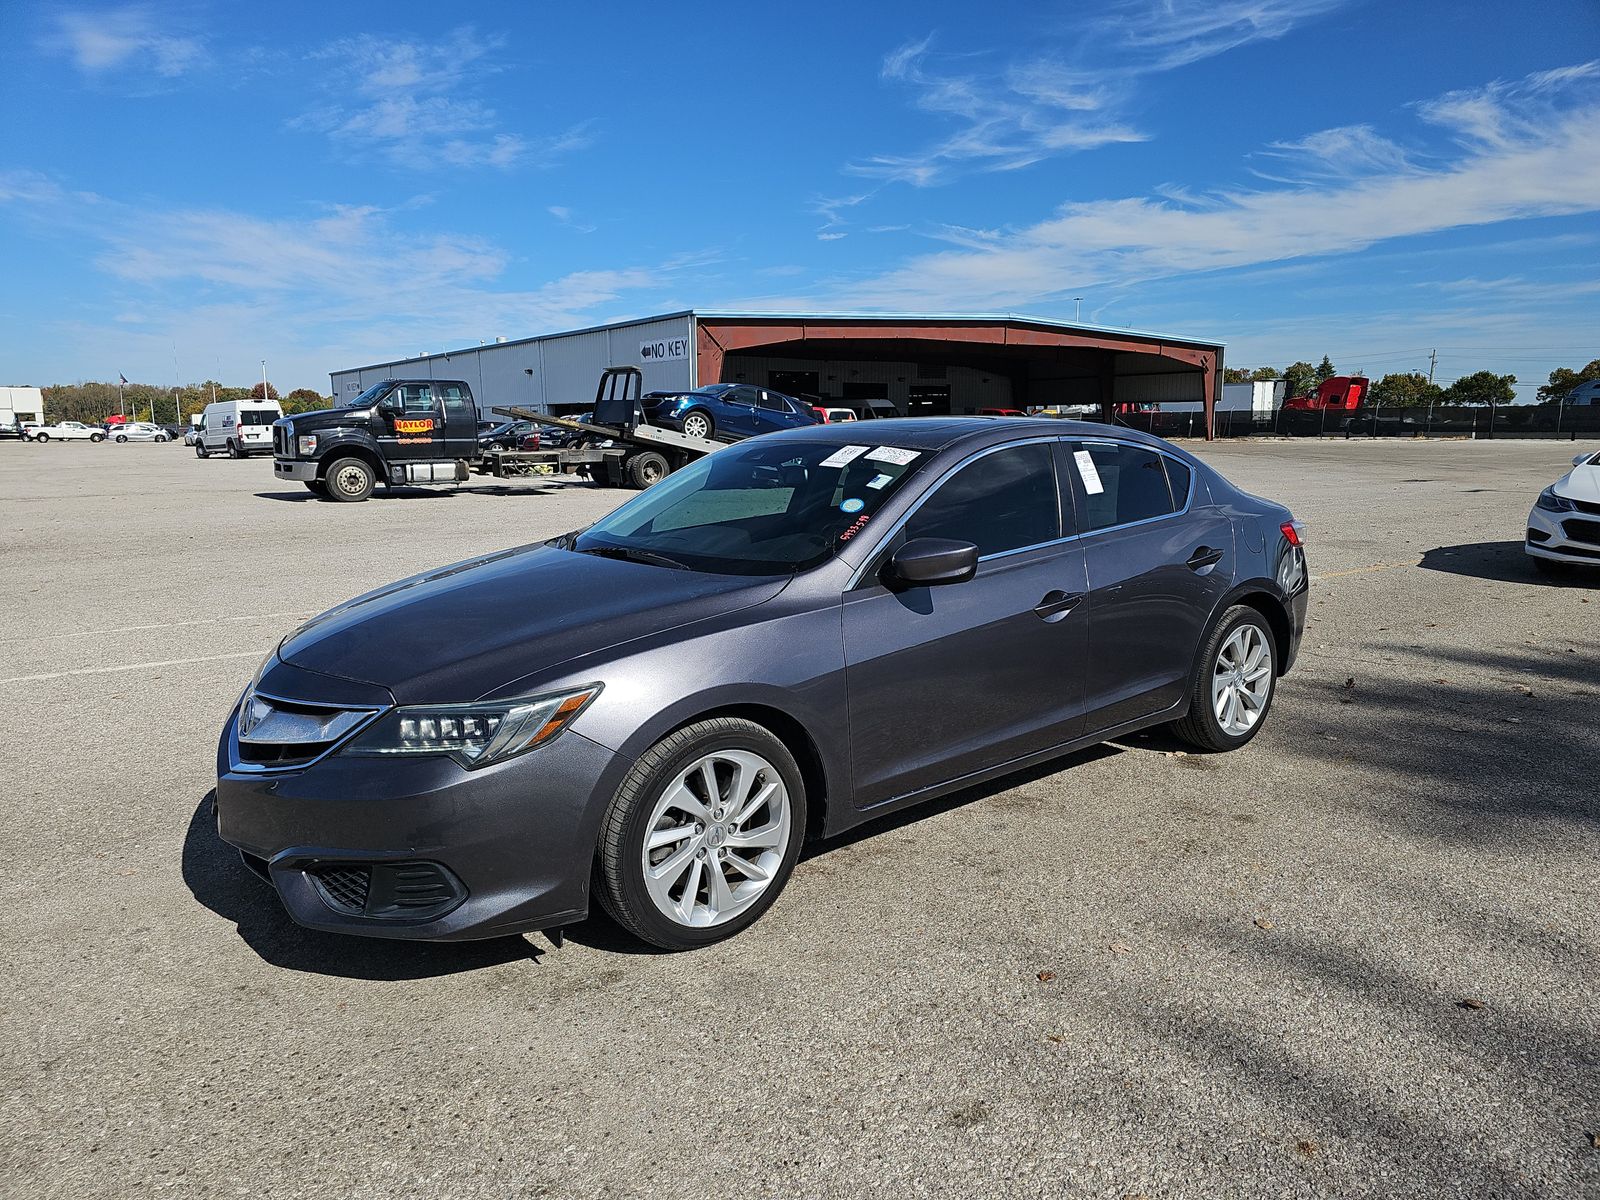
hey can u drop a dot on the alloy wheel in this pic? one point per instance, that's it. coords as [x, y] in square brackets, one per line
[697, 425]
[716, 838]
[1241, 681]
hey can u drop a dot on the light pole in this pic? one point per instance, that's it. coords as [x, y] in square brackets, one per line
[1077, 316]
[263, 379]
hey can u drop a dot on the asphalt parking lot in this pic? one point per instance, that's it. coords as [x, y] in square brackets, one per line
[1358, 958]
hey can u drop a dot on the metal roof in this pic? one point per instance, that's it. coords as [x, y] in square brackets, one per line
[703, 314]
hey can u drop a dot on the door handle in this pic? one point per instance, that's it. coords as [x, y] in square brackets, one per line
[1057, 604]
[1202, 558]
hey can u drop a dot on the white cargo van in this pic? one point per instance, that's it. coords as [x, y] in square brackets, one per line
[237, 428]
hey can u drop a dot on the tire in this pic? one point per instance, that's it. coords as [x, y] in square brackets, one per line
[41, 437]
[234, 449]
[161, 437]
[349, 480]
[651, 800]
[1242, 637]
[317, 487]
[121, 438]
[648, 468]
[699, 424]
[97, 437]
[200, 450]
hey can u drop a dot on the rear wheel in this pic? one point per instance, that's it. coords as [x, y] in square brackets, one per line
[41, 437]
[121, 437]
[647, 468]
[702, 835]
[349, 480]
[1233, 689]
[234, 449]
[699, 425]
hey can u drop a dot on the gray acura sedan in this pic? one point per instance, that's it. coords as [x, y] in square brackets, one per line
[795, 634]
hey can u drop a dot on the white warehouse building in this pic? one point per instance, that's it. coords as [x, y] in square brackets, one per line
[908, 364]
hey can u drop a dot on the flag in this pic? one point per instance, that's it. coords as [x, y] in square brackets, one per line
[122, 377]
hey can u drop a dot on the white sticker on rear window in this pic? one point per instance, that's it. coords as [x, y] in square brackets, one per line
[842, 456]
[880, 481]
[892, 454]
[1086, 471]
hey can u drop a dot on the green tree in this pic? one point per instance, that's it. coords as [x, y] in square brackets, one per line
[1408, 390]
[1264, 375]
[1326, 369]
[1564, 379]
[1235, 375]
[304, 400]
[1300, 378]
[1482, 387]
[263, 390]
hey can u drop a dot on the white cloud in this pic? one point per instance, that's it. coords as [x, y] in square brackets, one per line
[412, 102]
[1070, 97]
[124, 38]
[1523, 149]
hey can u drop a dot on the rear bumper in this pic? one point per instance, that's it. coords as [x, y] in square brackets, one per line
[305, 472]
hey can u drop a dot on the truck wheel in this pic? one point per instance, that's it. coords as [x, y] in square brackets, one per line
[699, 425]
[646, 468]
[234, 449]
[41, 437]
[99, 437]
[317, 487]
[200, 450]
[349, 479]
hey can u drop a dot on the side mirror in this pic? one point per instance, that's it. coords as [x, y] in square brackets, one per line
[929, 562]
[1580, 459]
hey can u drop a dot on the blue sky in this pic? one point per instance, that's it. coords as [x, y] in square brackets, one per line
[332, 184]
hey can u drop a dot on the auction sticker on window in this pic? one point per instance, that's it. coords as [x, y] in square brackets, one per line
[893, 454]
[843, 456]
[1086, 471]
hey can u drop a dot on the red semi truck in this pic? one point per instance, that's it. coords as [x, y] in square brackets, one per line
[1337, 393]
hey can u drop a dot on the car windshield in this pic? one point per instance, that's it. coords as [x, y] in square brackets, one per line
[716, 389]
[370, 396]
[760, 508]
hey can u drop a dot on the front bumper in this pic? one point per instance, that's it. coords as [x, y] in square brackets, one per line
[305, 472]
[1565, 537]
[365, 845]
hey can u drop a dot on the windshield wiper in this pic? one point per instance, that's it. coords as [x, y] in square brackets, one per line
[634, 554]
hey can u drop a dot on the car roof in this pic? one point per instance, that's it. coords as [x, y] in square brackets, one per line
[937, 433]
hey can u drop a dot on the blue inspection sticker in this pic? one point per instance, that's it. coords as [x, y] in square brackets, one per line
[854, 504]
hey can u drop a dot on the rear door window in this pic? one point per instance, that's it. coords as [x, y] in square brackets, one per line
[1002, 501]
[1118, 484]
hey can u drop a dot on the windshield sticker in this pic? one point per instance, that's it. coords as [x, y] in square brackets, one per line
[855, 528]
[880, 481]
[843, 456]
[1086, 471]
[892, 454]
[853, 505]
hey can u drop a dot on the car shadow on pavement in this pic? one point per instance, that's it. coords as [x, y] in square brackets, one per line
[217, 879]
[1502, 562]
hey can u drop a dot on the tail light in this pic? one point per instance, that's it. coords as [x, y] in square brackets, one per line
[1293, 532]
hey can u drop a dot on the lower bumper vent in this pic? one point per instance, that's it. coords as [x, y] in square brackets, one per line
[403, 891]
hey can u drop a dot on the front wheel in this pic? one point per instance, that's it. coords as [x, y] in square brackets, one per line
[200, 450]
[702, 835]
[699, 425]
[1233, 689]
[349, 480]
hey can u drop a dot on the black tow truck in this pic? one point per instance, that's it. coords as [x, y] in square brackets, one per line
[409, 432]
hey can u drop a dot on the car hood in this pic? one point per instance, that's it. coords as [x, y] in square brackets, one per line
[468, 630]
[1580, 483]
[325, 418]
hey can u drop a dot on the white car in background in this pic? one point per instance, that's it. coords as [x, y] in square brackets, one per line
[1564, 524]
[137, 431]
[67, 431]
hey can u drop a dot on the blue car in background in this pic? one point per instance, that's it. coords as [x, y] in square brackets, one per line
[729, 411]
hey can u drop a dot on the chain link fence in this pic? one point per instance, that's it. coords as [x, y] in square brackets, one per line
[1485, 421]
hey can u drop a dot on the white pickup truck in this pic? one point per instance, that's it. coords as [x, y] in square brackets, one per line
[66, 431]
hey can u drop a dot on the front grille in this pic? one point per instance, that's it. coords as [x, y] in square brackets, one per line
[344, 888]
[1588, 506]
[393, 891]
[1582, 531]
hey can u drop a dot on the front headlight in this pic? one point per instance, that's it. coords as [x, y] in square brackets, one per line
[474, 734]
[307, 443]
[1550, 502]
